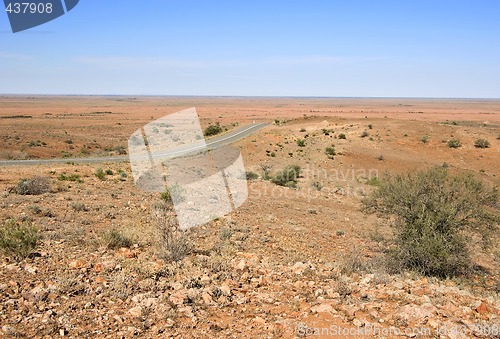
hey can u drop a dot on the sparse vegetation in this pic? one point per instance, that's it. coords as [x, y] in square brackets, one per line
[374, 181]
[35, 186]
[99, 173]
[79, 206]
[115, 238]
[225, 233]
[301, 142]
[18, 239]
[287, 176]
[173, 195]
[454, 143]
[266, 171]
[251, 175]
[212, 130]
[70, 177]
[317, 185]
[481, 143]
[433, 211]
[327, 131]
[342, 136]
[172, 243]
[424, 139]
[330, 151]
[302, 130]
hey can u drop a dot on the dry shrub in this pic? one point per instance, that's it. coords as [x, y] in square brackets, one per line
[173, 243]
[435, 216]
[18, 239]
[35, 186]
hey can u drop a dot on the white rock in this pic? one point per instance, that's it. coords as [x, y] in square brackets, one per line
[136, 311]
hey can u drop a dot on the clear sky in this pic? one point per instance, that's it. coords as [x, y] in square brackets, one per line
[371, 48]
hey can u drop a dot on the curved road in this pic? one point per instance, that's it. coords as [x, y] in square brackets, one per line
[213, 143]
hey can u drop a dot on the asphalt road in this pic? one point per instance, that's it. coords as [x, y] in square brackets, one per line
[211, 144]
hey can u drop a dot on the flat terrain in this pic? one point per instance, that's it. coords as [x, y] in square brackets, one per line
[287, 262]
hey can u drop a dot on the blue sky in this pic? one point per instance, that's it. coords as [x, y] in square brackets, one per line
[259, 48]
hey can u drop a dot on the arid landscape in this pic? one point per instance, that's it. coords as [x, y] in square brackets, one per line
[296, 260]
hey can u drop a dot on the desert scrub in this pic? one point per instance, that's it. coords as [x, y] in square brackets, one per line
[342, 136]
[18, 240]
[317, 185]
[115, 238]
[79, 206]
[424, 139]
[301, 142]
[99, 173]
[70, 177]
[251, 175]
[174, 194]
[287, 176]
[212, 130]
[330, 151]
[172, 243]
[454, 143]
[35, 186]
[481, 143]
[435, 215]
[266, 171]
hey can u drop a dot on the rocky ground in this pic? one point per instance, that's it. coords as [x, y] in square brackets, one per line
[289, 263]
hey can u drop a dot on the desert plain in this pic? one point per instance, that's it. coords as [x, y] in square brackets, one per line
[291, 262]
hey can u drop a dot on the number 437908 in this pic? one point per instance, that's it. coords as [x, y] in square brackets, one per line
[29, 7]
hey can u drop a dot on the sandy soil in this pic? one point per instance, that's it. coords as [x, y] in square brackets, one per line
[286, 262]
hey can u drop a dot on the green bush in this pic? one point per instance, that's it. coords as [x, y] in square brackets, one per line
[100, 174]
[212, 130]
[330, 151]
[70, 177]
[175, 194]
[454, 143]
[287, 176]
[109, 172]
[18, 239]
[251, 175]
[301, 142]
[424, 139]
[374, 181]
[433, 211]
[35, 186]
[342, 136]
[482, 143]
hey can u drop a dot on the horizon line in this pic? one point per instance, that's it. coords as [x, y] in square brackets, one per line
[246, 96]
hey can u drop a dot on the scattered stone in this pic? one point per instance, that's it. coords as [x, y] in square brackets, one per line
[482, 308]
[417, 314]
[135, 312]
[9, 330]
[322, 308]
[77, 264]
[299, 267]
